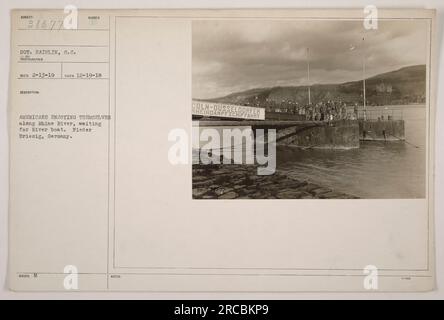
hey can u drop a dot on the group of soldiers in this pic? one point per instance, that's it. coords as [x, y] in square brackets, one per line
[326, 111]
[321, 111]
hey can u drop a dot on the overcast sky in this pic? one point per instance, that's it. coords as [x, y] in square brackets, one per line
[231, 56]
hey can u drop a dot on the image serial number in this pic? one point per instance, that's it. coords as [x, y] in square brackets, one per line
[222, 310]
[243, 309]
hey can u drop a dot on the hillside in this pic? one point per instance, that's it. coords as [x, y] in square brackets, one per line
[404, 86]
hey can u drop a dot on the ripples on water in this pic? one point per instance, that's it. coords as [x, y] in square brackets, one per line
[375, 170]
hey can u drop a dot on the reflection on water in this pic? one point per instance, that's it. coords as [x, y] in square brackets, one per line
[375, 170]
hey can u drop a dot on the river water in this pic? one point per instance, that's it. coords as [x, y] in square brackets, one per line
[374, 171]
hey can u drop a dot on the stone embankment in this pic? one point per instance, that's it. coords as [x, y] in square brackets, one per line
[242, 182]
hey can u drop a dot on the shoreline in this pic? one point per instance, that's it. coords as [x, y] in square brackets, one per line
[234, 181]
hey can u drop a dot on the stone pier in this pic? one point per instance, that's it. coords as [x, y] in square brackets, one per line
[381, 130]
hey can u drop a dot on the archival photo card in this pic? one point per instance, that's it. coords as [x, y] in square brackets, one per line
[313, 129]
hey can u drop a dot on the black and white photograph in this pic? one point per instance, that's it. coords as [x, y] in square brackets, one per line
[309, 109]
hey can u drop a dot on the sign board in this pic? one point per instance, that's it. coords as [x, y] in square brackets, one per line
[214, 109]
